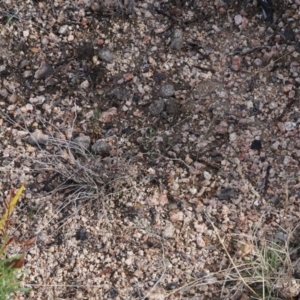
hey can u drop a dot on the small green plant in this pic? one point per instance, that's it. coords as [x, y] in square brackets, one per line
[9, 282]
[150, 134]
[263, 268]
[9, 267]
[96, 115]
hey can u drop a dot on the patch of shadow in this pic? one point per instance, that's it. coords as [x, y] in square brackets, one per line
[85, 51]
[97, 74]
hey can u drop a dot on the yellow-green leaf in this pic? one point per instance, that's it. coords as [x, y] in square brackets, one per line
[9, 207]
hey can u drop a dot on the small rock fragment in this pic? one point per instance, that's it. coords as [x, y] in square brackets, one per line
[238, 19]
[236, 63]
[63, 29]
[226, 194]
[257, 62]
[176, 44]
[112, 292]
[3, 93]
[50, 81]
[289, 126]
[38, 100]
[27, 74]
[178, 34]
[222, 128]
[85, 84]
[169, 231]
[207, 175]
[159, 77]
[37, 138]
[24, 63]
[106, 55]
[157, 107]
[83, 142]
[171, 286]
[44, 71]
[101, 147]
[289, 34]
[167, 90]
[95, 6]
[256, 145]
[120, 94]
[148, 14]
[107, 116]
[81, 235]
[199, 241]
[176, 215]
[275, 200]
[13, 98]
[172, 107]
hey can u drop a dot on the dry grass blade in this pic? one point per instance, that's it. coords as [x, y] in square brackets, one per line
[232, 262]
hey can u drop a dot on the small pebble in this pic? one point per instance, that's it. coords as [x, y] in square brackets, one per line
[289, 126]
[157, 107]
[63, 29]
[275, 200]
[226, 194]
[256, 145]
[167, 90]
[159, 77]
[81, 235]
[82, 141]
[176, 44]
[172, 107]
[44, 71]
[106, 55]
[169, 231]
[13, 98]
[238, 19]
[101, 147]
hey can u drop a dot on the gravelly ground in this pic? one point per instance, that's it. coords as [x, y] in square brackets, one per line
[136, 130]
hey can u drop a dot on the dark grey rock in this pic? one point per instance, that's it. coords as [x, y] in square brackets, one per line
[83, 142]
[167, 90]
[275, 200]
[50, 81]
[24, 63]
[289, 34]
[43, 71]
[226, 194]
[157, 107]
[176, 44]
[172, 107]
[120, 94]
[136, 97]
[4, 93]
[281, 236]
[256, 145]
[101, 147]
[81, 234]
[106, 55]
[159, 77]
